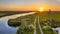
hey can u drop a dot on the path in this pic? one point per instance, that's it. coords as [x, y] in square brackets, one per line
[40, 26]
[35, 25]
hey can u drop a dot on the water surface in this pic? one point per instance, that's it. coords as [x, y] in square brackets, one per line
[5, 29]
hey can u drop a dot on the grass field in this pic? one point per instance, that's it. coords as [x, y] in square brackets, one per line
[47, 25]
[55, 18]
[25, 21]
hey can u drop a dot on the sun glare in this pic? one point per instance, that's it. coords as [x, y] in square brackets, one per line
[41, 9]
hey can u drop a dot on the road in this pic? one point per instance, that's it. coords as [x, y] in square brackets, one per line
[37, 17]
[35, 25]
[40, 26]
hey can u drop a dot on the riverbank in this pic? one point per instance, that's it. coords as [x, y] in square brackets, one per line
[25, 23]
[5, 29]
[7, 13]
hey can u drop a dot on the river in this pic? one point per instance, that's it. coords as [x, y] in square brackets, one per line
[5, 29]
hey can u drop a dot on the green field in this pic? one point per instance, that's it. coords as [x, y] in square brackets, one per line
[55, 18]
[26, 23]
[46, 24]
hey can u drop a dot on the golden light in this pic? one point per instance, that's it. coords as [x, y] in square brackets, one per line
[41, 9]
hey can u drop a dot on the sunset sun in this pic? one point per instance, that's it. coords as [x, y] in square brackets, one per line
[41, 9]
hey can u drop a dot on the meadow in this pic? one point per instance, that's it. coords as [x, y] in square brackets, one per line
[26, 23]
[53, 18]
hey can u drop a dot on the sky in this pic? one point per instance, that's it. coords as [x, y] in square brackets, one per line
[31, 5]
